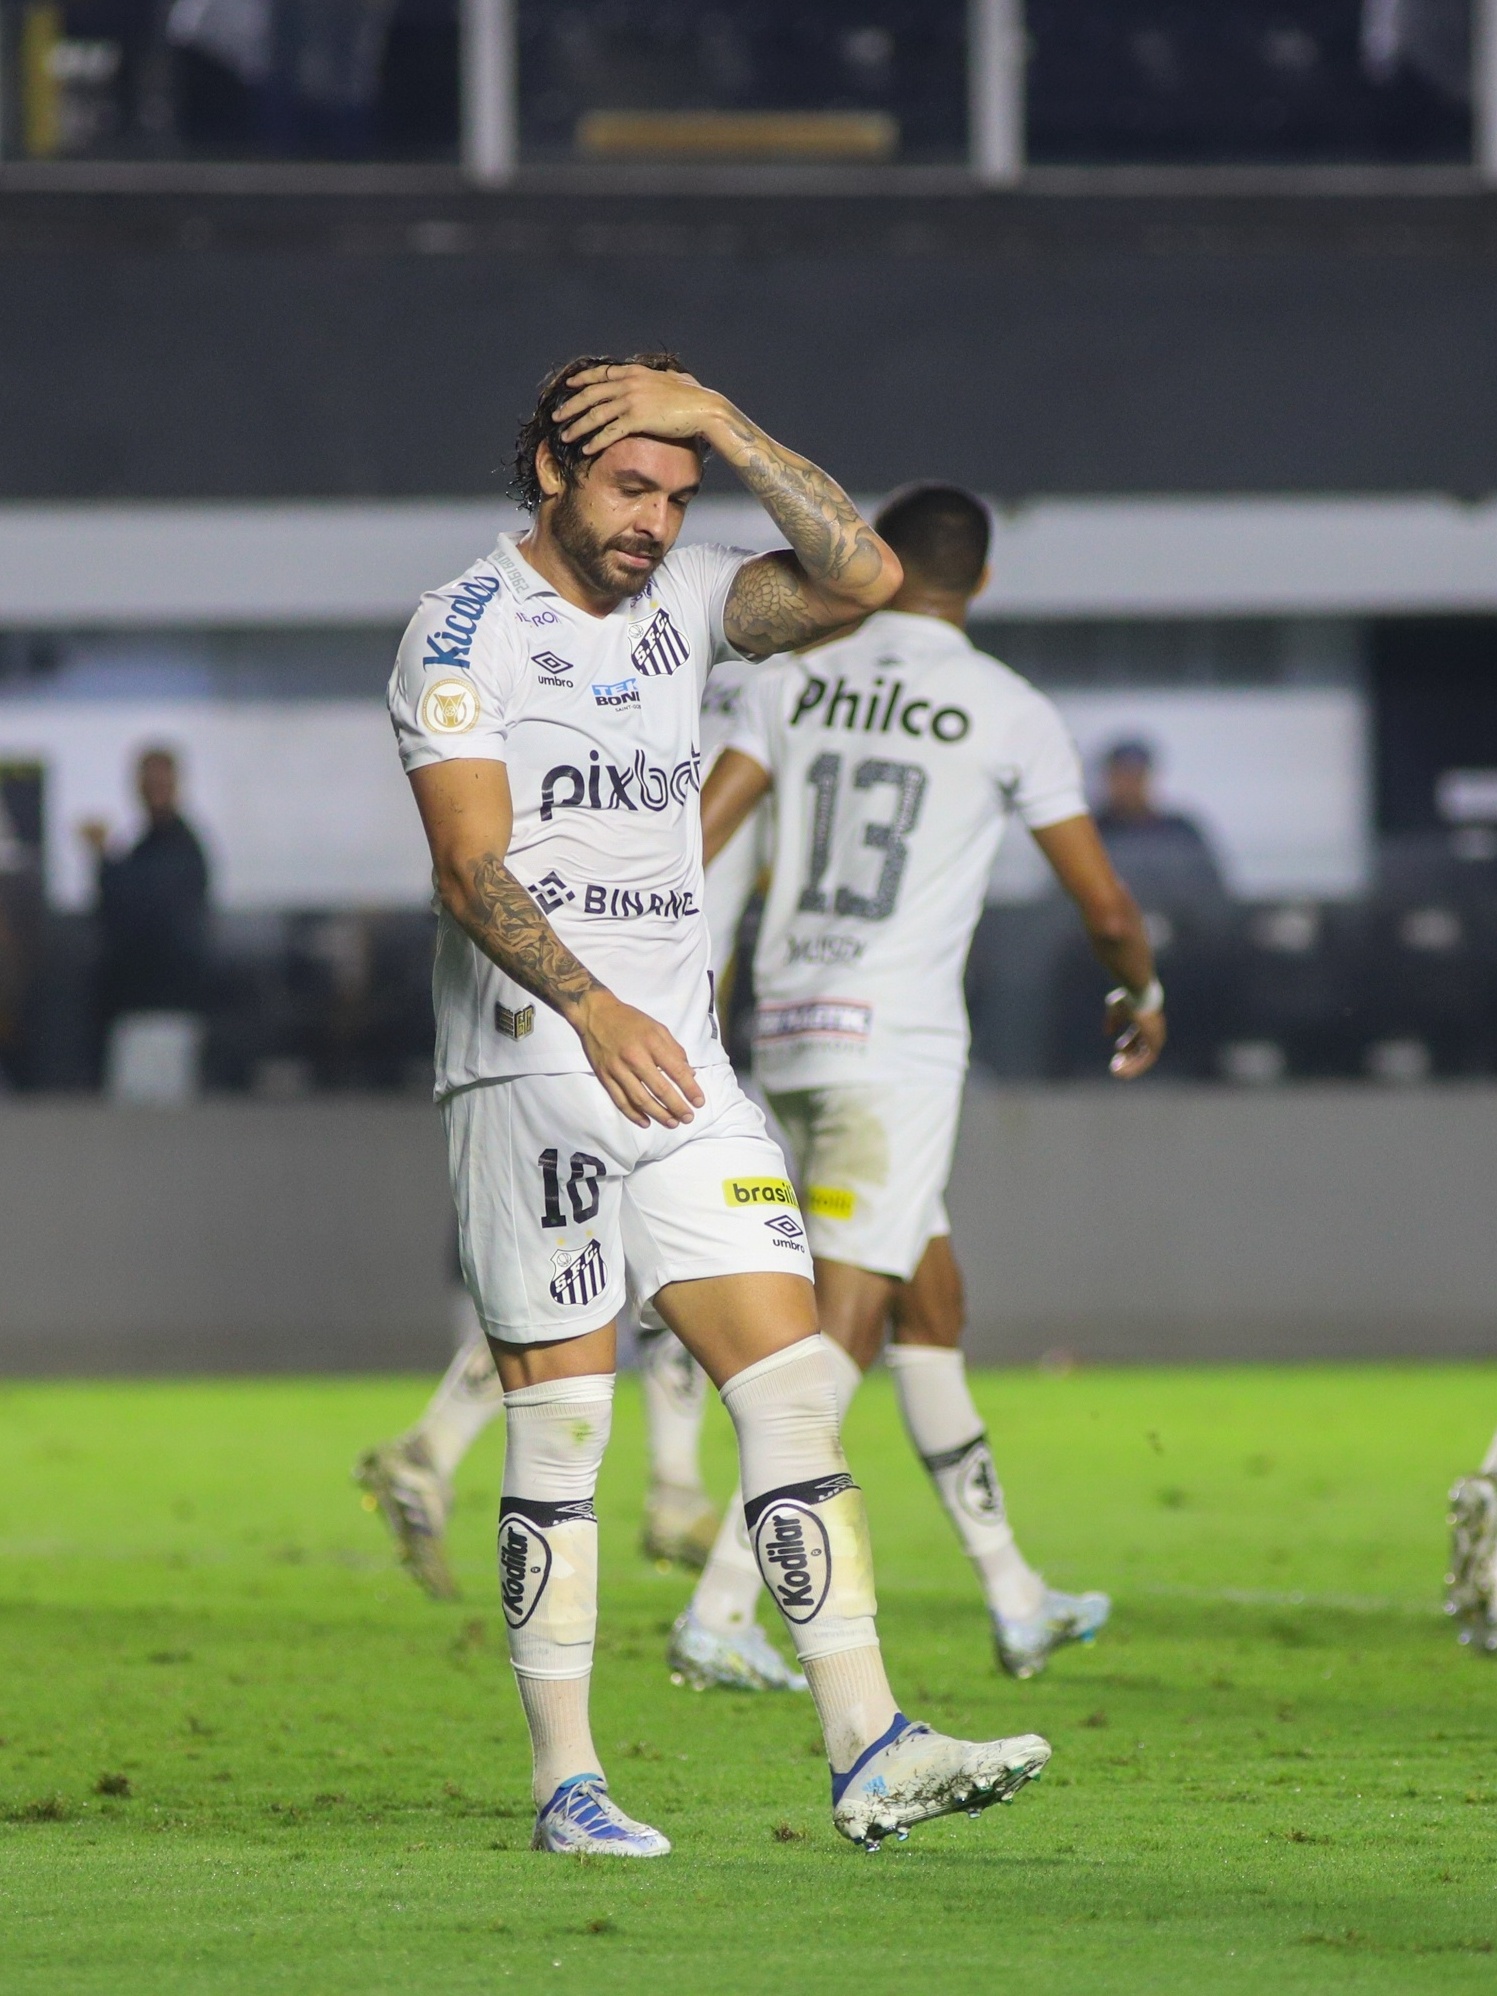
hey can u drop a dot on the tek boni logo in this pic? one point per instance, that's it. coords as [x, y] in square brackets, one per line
[795, 1557]
[620, 693]
[524, 1569]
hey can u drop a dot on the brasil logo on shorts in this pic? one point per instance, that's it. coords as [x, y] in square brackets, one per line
[759, 1192]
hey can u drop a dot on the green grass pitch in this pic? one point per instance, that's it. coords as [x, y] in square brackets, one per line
[238, 1752]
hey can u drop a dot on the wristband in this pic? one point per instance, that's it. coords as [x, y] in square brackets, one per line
[1150, 999]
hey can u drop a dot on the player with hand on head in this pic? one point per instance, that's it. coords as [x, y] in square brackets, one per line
[896, 756]
[547, 707]
[410, 1478]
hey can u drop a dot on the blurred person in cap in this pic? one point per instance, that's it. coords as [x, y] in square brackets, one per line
[153, 918]
[1165, 857]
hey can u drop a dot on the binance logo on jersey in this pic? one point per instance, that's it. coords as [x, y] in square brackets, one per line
[549, 892]
[449, 707]
[759, 1192]
[660, 648]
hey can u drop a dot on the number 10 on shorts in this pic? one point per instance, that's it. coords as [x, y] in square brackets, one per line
[584, 1175]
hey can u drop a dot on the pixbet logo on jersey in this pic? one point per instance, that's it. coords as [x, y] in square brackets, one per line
[638, 785]
[660, 648]
[452, 641]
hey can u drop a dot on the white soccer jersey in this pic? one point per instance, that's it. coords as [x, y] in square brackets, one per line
[597, 720]
[731, 876]
[897, 755]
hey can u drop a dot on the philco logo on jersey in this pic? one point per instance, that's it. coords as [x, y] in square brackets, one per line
[831, 1202]
[638, 785]
[620, 693]
[759, 1192]
[552, 669]
[449, 707]
[524, 1569]
[580, 1275]
[451, 643]
[874, 713]
[795, 1556]
[660, 648]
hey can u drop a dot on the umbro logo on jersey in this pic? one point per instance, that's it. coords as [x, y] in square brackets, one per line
[874, 712]
[580, 1275]
[621, 693]
[549, 892]
[452, 641]
[660, 648]
[553, 670]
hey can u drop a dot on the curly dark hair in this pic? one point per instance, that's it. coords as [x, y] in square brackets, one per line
[570, 460]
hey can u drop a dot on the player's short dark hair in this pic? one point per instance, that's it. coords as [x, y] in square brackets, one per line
[539, 425]
[940, 533]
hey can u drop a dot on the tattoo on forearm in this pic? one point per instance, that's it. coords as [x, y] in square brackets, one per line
[507, 926]
[768, 607]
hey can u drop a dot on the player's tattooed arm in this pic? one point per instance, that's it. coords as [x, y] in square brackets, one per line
[509, 928]
[837, 571]
[466, 808]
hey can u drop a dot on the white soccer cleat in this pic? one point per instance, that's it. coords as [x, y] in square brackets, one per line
[1025, 1647]
[1471, 1584]
[582, 1821]
[400, 1479]
[913, 1774]
[744, 1661]
[680, 1526]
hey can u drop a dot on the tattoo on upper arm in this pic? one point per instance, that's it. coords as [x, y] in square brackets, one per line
[508, 927]
[769, 607]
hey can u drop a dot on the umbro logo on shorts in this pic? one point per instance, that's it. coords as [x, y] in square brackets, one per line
[580, 1274]
[759, 1192]
[788, 1233]
[660, 648]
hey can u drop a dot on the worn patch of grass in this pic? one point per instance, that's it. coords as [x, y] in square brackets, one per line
[238, 1752]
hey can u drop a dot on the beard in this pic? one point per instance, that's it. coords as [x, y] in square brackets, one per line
[590, 554]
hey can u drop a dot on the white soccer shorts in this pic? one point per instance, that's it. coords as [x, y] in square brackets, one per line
[872, 1161]
[557, 1193]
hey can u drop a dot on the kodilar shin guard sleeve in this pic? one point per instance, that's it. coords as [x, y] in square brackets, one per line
[805, 1516]
[548, 1529]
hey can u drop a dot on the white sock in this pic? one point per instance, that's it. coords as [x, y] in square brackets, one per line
[561, 1740]
[728, 1592]
[947, 1431]
[461, 1408]
[1489, 1466]
[809, 1532]
[548, 1564]
[674, 1389]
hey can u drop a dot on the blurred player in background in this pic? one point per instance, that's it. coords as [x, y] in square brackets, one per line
[896, 756]
[410, 1479]
[1471, 1583]
[547, 705]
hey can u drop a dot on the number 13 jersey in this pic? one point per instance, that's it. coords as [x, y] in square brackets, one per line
[897, 755]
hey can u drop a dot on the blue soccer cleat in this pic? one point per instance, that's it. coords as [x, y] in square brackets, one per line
[581, 1820]
[1025, 1647]
[913, 1774]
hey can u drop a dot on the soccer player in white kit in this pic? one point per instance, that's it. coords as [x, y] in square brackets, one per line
[547, 709]
[410, 1477]
[1471, 1583]
[896, 757]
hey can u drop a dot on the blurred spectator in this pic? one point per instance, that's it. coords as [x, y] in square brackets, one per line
[153, 918]
[1164, 856]
[20, 908]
